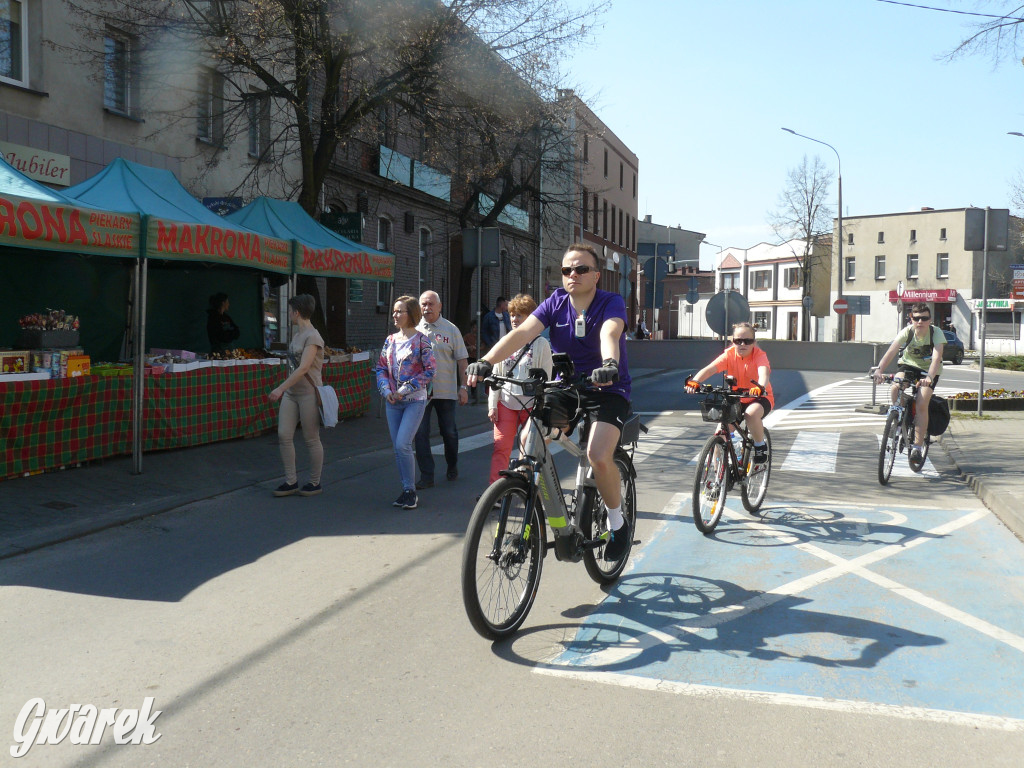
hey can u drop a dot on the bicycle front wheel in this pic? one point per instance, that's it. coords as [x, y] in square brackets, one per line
[594, 522]
[755, 487]
[890, 447]
[710, 486]
[502, 558]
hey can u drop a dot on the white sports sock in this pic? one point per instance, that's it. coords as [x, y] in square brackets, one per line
[615, 519]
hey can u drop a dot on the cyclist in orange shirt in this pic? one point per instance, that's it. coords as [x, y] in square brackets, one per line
[748, 365]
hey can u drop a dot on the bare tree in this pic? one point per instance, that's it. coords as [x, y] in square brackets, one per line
[802, 214]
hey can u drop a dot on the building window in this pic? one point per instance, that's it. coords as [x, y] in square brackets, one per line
[942, 265]
[761, 280]
[596, 208]
[763, 321]
[849, 238]
[612, 238]
[604, 218]
[634, 186]
[13, 41]
[879, 267]
[586, 148]
[355, 291]
[210, 107]
[791, 278]
[258, 109]
[117, 73]
[383, 234]
[425, 239]
[606, 163]
[622, 234]
[881, 237]
[942, 234]
[730, 281]
[851, 268]
[911, 266]
[913, 235]
[622, 176]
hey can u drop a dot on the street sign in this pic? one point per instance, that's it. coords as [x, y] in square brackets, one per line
[488, 239]
[655, 270]
[1017, 284]
[807, 301]
[840, 306]
[693, 296]
[899, 289]
[858, 305]
[993, 304]
[725, 309]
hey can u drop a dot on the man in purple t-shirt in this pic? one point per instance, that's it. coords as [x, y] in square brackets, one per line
[588, 324]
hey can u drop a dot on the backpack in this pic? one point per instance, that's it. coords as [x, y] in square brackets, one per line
[938, 415]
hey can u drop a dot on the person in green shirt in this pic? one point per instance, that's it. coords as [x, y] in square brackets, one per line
[920, 361]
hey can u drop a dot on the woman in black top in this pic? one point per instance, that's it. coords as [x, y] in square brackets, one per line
[220, 328]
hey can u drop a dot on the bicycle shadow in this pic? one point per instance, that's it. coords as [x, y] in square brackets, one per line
[652, 618]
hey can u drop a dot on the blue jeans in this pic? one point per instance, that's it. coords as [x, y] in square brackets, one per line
[403, 421]
[449, 435]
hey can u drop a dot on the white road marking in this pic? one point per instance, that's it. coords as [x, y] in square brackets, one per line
[813, 452]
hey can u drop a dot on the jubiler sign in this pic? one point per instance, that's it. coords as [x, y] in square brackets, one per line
[37, 164]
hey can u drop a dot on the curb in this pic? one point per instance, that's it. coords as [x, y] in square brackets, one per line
[996, 501]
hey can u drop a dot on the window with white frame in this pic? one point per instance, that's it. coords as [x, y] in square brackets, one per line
[730, 281]
[383, 234]
[942, 265]
[791, 278]
[763, 321]
[879, 267]
[13, 41]
[912, 266]
[761, 280]
[210, 106]
[851, 268]
[258, 113]
[118, 72]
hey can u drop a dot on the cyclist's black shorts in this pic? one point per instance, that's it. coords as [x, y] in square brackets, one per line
[913, 374]
[606, 406]
[764, 401]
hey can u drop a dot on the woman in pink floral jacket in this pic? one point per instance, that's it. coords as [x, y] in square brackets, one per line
[404, 370]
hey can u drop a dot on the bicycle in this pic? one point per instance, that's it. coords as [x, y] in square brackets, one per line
[899, 430]
[506, 539]
[718, 467]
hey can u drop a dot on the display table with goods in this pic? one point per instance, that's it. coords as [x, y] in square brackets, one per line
[61, 422]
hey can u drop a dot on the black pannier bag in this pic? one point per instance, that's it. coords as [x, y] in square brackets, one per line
[938, 415]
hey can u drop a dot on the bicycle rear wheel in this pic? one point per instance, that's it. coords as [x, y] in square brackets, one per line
[890, 447]
[502, 558]
[710, 485]
[594, 522]
[755, 486]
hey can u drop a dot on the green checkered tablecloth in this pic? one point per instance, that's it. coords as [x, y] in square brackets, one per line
[56, 423]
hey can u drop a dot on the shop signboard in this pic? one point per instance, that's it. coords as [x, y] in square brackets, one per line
[926, 295]
[177, 240]
[58, 226]
[331, 262]
[1017, 283]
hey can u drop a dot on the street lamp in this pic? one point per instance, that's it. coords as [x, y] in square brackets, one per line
[839, 281]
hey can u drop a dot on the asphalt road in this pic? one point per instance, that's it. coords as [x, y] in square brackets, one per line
[847, 625]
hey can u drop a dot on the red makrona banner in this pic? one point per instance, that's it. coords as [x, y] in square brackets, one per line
[202, 242]
[936, 295]
[56, 226]
[330, 262]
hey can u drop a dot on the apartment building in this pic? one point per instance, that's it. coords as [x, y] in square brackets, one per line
[922, 253]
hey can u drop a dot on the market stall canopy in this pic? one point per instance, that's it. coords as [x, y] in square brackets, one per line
[321, 251]
[177, 226]
[34, 216]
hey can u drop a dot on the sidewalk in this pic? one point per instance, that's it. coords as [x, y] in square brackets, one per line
[45, 509]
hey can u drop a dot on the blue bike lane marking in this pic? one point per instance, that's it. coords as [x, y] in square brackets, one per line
[908, 610]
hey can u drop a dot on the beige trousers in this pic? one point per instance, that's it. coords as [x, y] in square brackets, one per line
[296, 409]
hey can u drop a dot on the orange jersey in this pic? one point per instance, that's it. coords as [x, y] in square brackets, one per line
[745, 371]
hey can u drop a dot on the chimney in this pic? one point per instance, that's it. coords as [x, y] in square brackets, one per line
[647, 218]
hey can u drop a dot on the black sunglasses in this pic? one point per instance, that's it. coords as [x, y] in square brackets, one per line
[920, 318]
[580, 269]
[743, 341]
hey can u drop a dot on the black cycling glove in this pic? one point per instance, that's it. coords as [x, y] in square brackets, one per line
[608, 373]
[481, 369]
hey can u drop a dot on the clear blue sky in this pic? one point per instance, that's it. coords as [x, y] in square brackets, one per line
[700, 89]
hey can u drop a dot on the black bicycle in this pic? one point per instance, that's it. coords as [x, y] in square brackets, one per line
[720, 467]
[506, 538]
[899, 429]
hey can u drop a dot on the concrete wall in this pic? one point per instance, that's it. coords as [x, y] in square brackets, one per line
[692, 355]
